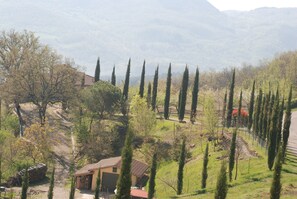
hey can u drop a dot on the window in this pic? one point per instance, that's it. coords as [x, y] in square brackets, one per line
[114, 169]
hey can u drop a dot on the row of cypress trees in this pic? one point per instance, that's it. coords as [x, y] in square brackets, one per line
[152, 91]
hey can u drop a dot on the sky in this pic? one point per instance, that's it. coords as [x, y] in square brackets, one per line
[245, 5]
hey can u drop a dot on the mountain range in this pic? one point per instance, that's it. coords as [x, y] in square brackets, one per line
[191, 32]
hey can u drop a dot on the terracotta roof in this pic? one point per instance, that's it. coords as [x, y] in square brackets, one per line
[137, 168]
[85, 170]
[89, 80]
[139, 193]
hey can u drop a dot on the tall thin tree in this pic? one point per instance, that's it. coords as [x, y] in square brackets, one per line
[257, 113]
[261, 117]
[127, 79]
[251, 107]
[155, 89]
[239, 109]
[183, 95]
[25, 184]
[224, 109]
[232, 154]
[287, 123]
[151, 191]
[149, 95]
[167, 94]
[280, 124]
[98, 182]
[113, 76]
[265, 116]
[195, 96]
[97, 70]
[204, 170]
[276, 186]
[273, 133]
[181, 164]
[141, 86]
[230, 101]
[124, 180]
[50, 193]
[222, 184]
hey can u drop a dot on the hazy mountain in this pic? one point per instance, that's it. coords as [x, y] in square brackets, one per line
[189, 32]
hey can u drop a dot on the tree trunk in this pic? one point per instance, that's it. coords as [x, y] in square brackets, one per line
[42, 110]
[21, 121]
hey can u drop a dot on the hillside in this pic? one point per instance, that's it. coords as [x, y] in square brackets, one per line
[182, 32]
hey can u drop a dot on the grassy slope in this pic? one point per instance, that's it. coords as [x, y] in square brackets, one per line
[253, 182]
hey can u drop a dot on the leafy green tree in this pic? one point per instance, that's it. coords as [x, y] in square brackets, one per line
[102, 98]
[276, 187]
[181, 164]
[25, 185]
[97, 190]
[195, 96]
[251, 107]
[230, 101]
[127, 79]
[167, 94]
[183, 95]
[143, 120]
[124, 180]
[149, 95]
[141, 86]
[97, 70]
[72, 188]
[204, 170]
[273, 133]
[280, 124]
[222, 184]
[113, 77]
[239, 109]
[50, 194]
[232, 155]
[155, 89]
[287, 123]
[152, 183]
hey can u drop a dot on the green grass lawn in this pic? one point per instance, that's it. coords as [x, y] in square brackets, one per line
[254, 178]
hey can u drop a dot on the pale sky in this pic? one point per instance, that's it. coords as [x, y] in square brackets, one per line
[246, 5]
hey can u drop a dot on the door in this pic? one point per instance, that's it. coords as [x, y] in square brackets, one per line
[109, 182]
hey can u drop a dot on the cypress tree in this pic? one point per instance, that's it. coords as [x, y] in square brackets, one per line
[183, 95]
[273, 133]
[287, 123]
[239, 109]
[113, 77]
[127, 79]
[155, 89]
[224, 109]
[72, 188]
[181, 164]
[280, 124]
[25, 185]
[272, 99]
[151, 191]
[261, 117]
[97, 70]
[230, 101]
[251, 107]
[276, 187]
[167, 94]
[257, 113]
[124, 180]
[141, 86]
[149, 95]
[265, 116]
[222, 184]
[204, 171]
[195, 96]
[232, 154]
[50, 193]
[97, 190]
